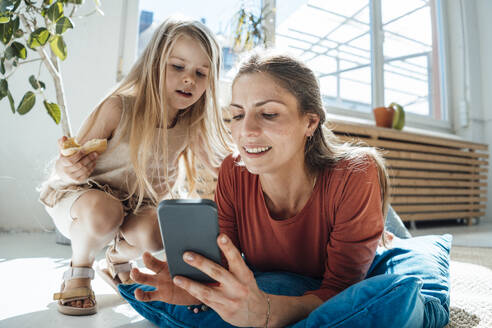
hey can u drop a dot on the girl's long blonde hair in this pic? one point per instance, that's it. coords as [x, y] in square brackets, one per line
[145, 83]
[324, 148]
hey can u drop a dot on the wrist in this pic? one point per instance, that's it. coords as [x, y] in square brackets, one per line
[268, 311]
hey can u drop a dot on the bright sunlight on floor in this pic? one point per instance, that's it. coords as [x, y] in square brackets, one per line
[31, 268]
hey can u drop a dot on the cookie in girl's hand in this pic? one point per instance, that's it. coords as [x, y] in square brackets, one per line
[70, 146]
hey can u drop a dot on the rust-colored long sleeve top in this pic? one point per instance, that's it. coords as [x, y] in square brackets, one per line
[333, 238]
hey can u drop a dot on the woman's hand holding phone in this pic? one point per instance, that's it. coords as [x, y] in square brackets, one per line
[78, 166]
[237, 298]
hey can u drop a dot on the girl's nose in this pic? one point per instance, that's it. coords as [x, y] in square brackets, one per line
[188, 80]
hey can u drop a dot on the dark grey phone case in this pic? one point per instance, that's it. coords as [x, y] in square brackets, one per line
[189, 225]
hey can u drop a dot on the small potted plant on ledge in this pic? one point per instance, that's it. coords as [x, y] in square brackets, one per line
[392, 116]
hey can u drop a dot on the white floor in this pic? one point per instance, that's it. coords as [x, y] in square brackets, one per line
[476, 235]
[31, 266]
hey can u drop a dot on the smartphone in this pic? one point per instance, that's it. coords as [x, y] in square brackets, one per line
[189, 225]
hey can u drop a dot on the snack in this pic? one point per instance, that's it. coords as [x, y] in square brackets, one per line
[70, 146]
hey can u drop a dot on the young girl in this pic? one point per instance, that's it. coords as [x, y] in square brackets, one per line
[163, 110]
[295, 199]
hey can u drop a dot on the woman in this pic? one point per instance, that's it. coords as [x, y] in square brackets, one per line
[294, 199]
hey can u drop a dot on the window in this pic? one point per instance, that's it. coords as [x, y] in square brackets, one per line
[367, 53]
[218, 16]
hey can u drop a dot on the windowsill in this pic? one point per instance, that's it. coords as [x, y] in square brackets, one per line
[358, 120]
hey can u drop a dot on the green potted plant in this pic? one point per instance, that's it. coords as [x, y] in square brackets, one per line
[392, 116]
[32, 31]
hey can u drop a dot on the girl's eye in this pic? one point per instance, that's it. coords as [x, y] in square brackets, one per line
[178, 67]
[200, 74]
[269, 116]
[237, 117]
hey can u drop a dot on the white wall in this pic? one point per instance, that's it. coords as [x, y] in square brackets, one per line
[484, 10]
[28, 142]
[469, 71]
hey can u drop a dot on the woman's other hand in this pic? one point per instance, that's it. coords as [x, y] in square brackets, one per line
[165, 290]
[237, 298]
[77, 167]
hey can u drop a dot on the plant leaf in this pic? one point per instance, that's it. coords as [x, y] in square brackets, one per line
[36, 84]
[62, 24]
[11, 101]
[20, 50]
[27, 103]
[59, 47]
[4, 88]
[10, 52]
[2, 65]
[16, 4]
[53, 110]
[55, 11]
[4, 19]
[38, 38]
[6, 31]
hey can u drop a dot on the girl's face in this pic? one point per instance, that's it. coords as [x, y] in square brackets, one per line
[267, 125]
[187, 73]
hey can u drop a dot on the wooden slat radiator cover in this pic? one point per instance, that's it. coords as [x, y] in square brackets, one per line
[431, 177]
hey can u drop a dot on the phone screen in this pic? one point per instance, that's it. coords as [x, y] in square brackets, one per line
[189, 225]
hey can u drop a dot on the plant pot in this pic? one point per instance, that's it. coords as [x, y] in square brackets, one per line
[384, 116]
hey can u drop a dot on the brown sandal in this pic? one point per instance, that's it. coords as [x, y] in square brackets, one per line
[109, 271]
[77, 293]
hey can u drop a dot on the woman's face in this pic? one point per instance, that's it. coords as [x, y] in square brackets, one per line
[267, 126]
[187, 73]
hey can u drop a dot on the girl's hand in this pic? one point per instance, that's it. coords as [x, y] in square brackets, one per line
[237, 298]
[165, 291]
[77, 167]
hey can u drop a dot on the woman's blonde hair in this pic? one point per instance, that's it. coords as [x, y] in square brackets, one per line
[145, 83]
[324, 148]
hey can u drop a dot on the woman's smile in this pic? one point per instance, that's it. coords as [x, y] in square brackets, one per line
[256, 150]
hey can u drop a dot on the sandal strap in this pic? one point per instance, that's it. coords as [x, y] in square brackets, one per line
[74, 294]
[115, 268]
[78, 272]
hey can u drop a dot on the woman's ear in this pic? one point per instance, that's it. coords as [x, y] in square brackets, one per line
[313, 122]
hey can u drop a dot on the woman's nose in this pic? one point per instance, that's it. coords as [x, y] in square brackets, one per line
[250, 125]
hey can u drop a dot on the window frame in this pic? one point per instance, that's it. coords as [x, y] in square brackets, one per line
[377, 72]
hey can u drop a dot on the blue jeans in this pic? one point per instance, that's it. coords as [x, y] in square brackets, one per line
[381, 301]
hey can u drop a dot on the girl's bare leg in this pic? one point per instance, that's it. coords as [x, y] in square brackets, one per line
[140, 233]
[97, 218]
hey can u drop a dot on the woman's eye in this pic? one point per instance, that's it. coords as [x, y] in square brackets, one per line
[269, 116]
[178, 67]
[237, 117]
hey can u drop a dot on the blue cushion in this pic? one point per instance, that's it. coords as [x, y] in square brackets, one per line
[387, 300]
[427, 258]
